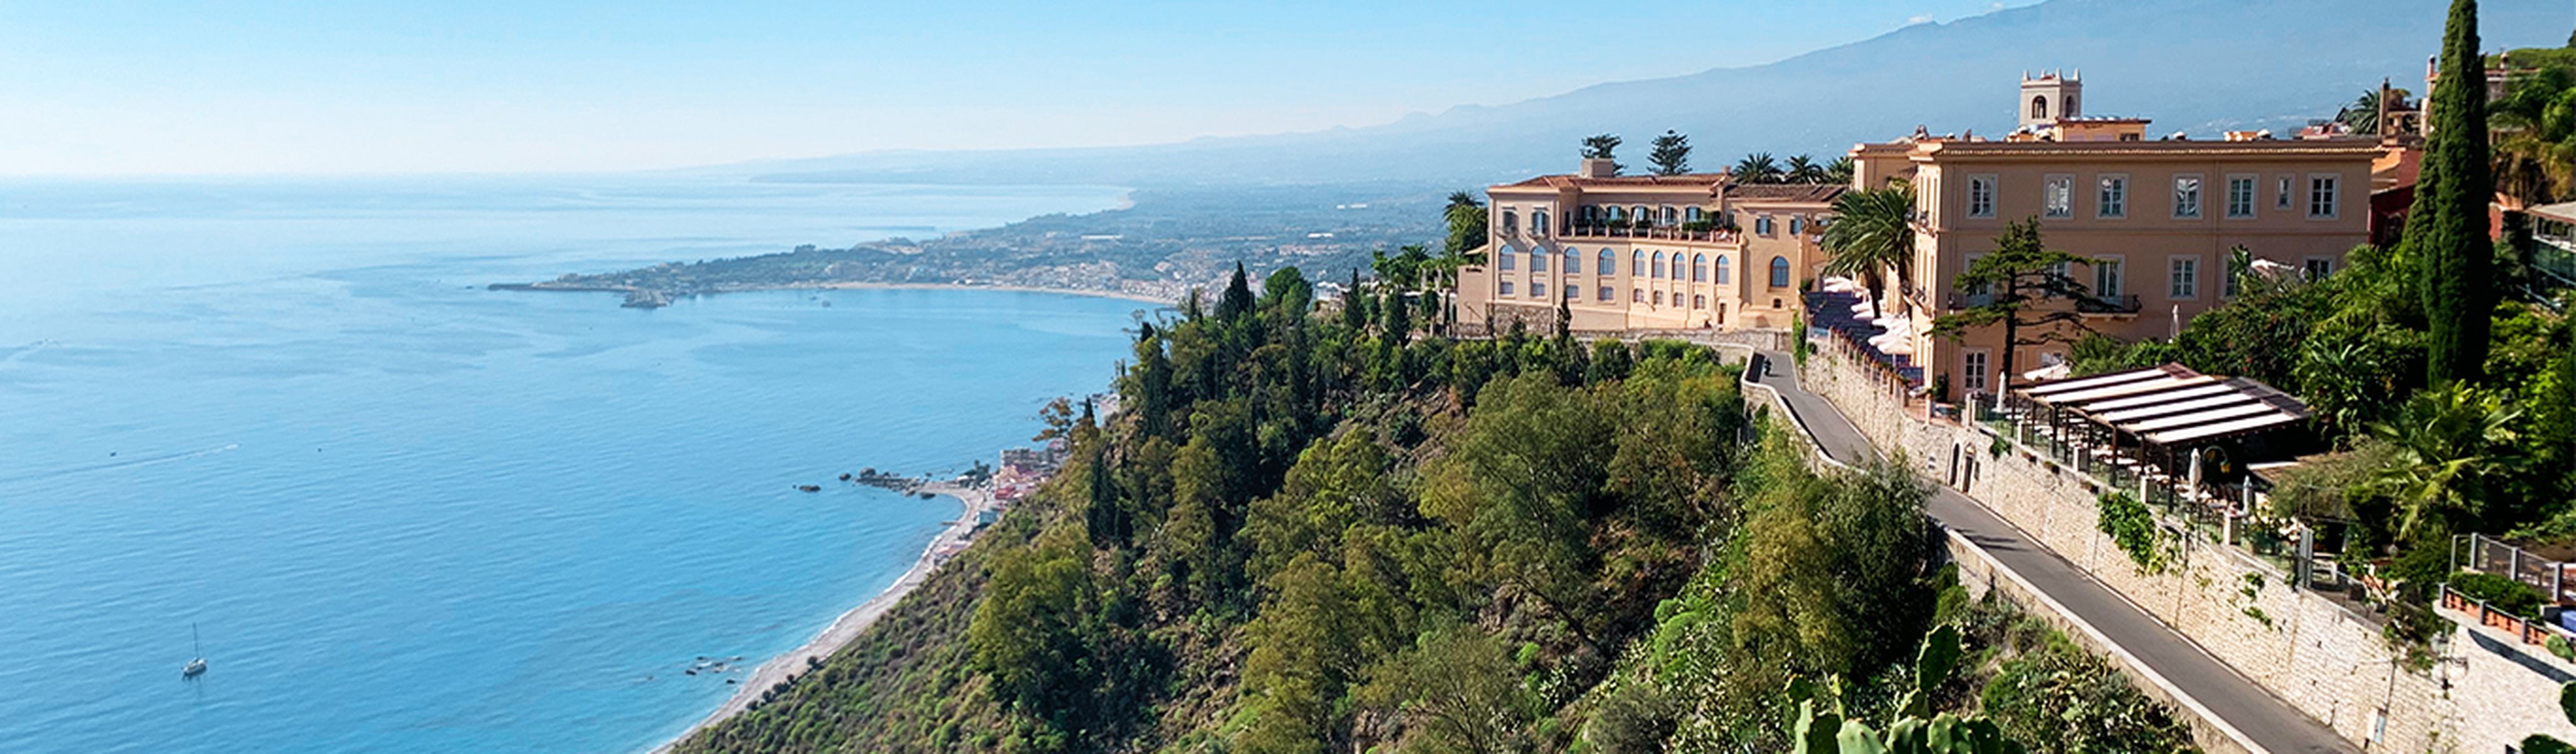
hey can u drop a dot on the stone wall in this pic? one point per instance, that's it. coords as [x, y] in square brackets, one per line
[1980, 573]
[2306, 648]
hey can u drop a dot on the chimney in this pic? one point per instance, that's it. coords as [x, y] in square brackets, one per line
[1598, 168]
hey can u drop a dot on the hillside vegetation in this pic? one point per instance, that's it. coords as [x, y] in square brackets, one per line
[1312, 532]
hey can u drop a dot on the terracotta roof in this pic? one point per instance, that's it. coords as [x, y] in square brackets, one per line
[1818, 193]
[1708, 181]
[2364, 148]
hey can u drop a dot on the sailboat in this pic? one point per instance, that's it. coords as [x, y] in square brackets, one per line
[196, 667]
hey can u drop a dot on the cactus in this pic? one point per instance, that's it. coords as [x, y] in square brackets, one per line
[1822, 729]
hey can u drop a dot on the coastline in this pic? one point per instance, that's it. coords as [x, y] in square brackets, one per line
[849, 285]
[850, 624]
[1137, 297]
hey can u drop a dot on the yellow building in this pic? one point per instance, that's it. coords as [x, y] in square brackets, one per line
[2158, 219]
[1644, 252]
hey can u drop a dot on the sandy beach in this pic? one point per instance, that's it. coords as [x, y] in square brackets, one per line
[857, 620]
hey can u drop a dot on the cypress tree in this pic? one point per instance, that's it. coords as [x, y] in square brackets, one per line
[1354, 305]
[2446, 229]
[1399, 317]
[1238, 297]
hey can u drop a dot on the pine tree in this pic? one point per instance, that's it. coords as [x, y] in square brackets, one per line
[1672, 154]
[1237, 302]
[2446, 229]
[1603, 147]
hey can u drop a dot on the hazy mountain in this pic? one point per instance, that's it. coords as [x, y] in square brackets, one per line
[2193, 65]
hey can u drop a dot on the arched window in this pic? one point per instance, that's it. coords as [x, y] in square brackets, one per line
[1680, 269]
[1506, 259]
[1693, 215]
[1659, 265]
[1637, 263]
[1606, 264]
[1590, 214]
[1779, 272]
[2039, 107]
[1538, 260]
[1699, 267]
[1641, 214]
[1617, 214]
[1538, 222]
[1722, 271]
[1573, 261]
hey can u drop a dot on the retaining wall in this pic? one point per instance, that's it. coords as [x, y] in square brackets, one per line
[2310, 650]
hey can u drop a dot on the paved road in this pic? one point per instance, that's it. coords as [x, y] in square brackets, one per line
[2270, 722]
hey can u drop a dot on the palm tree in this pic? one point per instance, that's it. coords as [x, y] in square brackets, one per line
[2362, 116]
[1804, 169]
[1839, 172]
[1873, 231]
[1757, 167]
[1467, 218]
[2534, 127]
[2448, 442]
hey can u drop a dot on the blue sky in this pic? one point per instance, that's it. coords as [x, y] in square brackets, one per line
[109, 87]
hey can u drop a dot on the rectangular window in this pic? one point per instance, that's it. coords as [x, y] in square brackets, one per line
[1507, 287]
[2186, 277]
[1762, 225]
[1573, 292]
[2113, 202]
[1605, 293]
[1637, 295]
[2282, 200]
[2240, 196]
[2106, 277]
[1538, 261]
[2058, 198]
[2227, 279]
[1976, 289]
[2186, 196]
[1511, 221]
[1981, 196]
[1797, 226]
[2319, 267]
[1973, 366]
[1538, 222]
[2321, 195]
[1538, 289]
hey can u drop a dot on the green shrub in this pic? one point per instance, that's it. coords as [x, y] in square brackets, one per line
[2502, 593]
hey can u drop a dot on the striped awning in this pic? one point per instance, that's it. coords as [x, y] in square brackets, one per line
[2171, 404]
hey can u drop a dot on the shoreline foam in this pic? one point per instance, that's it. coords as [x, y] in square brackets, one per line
[851, 624]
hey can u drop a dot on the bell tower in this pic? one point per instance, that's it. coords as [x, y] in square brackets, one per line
[2049, 97]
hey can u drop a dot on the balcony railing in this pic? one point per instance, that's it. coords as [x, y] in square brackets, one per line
[1662, 233]
[2124, 304]
[1970, 300]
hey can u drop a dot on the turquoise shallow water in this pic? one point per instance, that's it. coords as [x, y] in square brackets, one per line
[412, 515]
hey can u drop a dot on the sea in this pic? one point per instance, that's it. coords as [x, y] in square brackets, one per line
[282, 424]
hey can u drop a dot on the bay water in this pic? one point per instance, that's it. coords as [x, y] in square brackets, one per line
[409, 514]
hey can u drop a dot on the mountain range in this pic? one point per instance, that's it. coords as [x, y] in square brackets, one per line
[2195, 66]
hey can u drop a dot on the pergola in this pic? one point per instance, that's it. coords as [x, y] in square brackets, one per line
[2142, 426]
